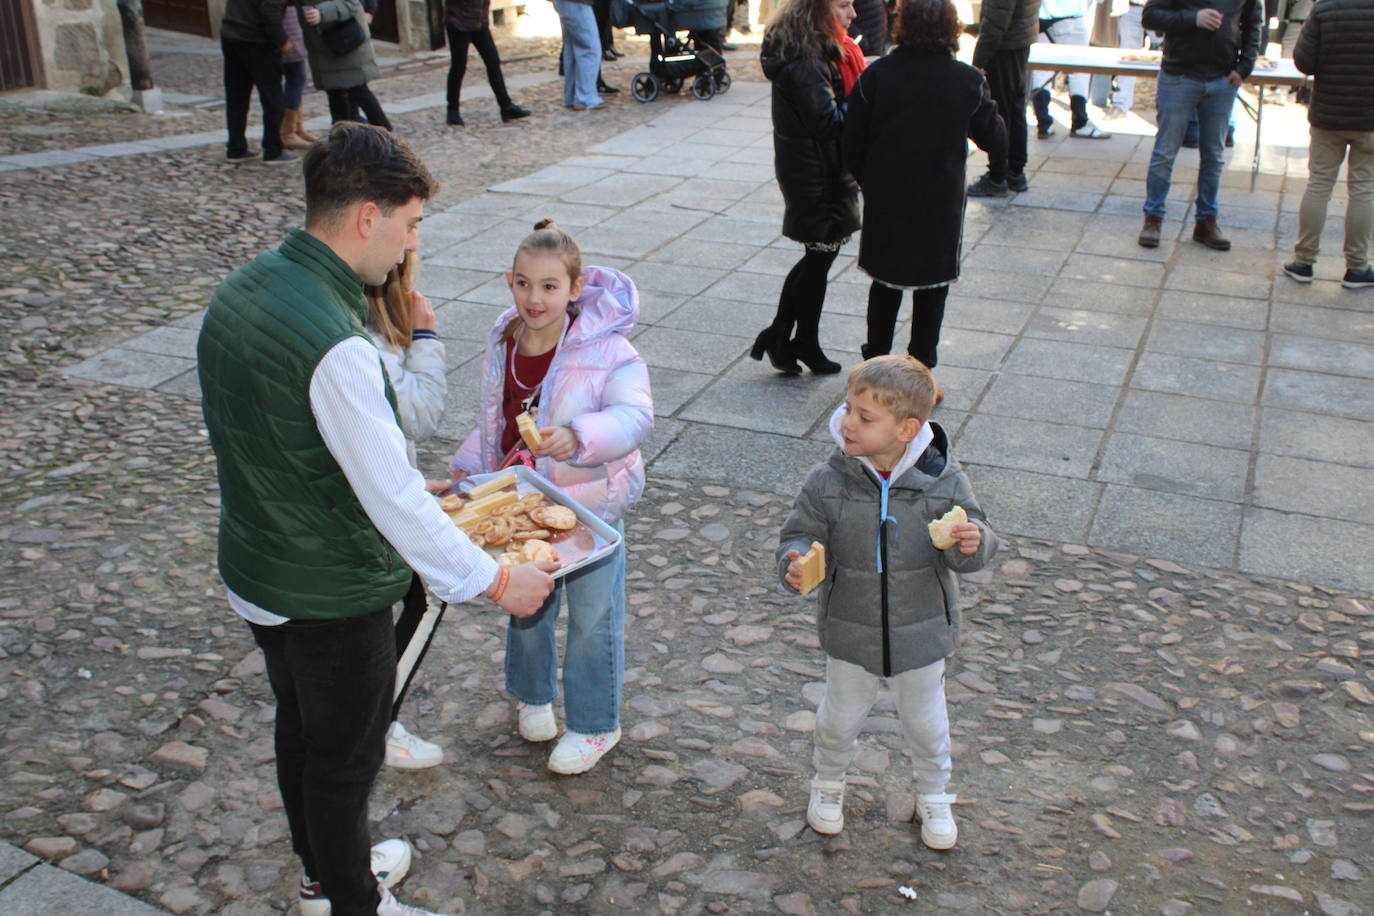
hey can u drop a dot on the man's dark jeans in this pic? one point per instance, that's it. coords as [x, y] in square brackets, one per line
[1007, 85]
[249, 64]
[333, 681]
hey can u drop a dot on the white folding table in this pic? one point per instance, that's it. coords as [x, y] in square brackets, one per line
[1083, 59]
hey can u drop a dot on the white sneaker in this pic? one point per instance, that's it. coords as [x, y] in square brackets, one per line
[390, 906]
[825, 813]
[408, 752]
[938, 830]
[537, 722]
[390, 862]
[578, 753]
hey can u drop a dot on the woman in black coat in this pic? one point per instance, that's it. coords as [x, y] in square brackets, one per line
[468, 22]
[809, 59]
[906, 142]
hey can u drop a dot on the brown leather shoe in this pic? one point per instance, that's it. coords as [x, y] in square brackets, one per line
[1149, 233]
[1208, 233]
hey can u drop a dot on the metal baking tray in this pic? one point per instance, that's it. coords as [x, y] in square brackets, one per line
[583, 548]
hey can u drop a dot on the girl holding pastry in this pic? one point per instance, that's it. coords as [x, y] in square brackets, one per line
[562, 354]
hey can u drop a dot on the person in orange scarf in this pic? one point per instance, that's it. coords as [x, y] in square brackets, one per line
[813, 64]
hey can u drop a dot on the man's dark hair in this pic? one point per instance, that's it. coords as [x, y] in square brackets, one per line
[930, 26]
[355, 163]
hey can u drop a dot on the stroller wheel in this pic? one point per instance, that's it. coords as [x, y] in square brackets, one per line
[722, 81]
[644, 87]
[672, 84]
[703, 87]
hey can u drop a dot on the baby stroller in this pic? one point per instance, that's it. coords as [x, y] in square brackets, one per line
[674, 60]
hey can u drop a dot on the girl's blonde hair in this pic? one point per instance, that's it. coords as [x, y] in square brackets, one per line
[388, 305]
[803, 28]
[548, 238]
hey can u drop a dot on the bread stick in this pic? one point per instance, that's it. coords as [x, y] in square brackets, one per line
[479, 508]
[812, 567]
[528, 431]
[491, 486]
[941, 529]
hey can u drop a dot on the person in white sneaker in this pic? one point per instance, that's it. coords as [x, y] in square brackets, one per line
[401, 322]
[563, 354]
[889, 605]
[323, 521]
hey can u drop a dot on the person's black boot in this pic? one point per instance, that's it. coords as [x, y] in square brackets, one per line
[453, 118]
[768, 342]
[814, 358]
[514, 112]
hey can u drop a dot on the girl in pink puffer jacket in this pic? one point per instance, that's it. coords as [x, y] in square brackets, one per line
[565, 349]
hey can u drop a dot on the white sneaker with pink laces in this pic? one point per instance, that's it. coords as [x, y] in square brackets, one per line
[578, 753]
[537, 722]
[390, 860]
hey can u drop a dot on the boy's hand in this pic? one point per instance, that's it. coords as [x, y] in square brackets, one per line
[556, 442]
[529, 585]
[793, 577]
[969, 537]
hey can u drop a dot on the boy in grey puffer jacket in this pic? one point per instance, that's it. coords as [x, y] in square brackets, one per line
[889, 600]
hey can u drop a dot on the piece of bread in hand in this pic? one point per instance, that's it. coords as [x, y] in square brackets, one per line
[941, 529]
[812, 567]
[528, 430]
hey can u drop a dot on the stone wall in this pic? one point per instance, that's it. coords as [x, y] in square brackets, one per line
[82, 44]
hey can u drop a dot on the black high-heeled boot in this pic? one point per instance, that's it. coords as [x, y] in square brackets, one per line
[779, 354]
[814, 358]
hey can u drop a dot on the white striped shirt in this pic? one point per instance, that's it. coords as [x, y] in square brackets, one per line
[348, 399]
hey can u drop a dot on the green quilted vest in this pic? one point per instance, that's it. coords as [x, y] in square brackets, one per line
[293, 538]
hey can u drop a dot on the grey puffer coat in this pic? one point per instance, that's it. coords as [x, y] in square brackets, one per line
[907, 615]
[335, 71]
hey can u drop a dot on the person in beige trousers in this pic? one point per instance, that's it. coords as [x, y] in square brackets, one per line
[1337, 47]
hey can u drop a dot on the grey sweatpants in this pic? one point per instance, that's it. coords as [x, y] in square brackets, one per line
[850, 692]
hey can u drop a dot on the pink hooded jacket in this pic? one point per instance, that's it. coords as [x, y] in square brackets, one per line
[597, 384]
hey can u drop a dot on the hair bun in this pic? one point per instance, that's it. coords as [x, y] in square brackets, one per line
[545, 224]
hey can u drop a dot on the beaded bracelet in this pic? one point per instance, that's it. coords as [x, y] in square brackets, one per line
[501, 585]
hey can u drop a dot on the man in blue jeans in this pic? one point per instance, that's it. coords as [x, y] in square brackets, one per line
[1209, 49]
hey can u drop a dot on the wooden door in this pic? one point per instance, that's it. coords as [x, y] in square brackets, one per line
[189, 16]
[383, 26]
[19, 57]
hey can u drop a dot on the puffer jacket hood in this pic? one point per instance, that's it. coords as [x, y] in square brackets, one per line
[606, 475]
[906, 615]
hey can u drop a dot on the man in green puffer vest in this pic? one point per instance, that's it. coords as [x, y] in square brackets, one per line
[322, 517]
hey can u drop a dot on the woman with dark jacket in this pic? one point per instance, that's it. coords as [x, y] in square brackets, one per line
[906, 142]
[468, 22]
[812, 63]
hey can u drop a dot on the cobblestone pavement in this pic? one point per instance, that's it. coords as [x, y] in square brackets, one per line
[1131, 735]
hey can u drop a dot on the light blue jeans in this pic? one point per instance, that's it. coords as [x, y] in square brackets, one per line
[1176, 98]
[593, 657]
[581, 53]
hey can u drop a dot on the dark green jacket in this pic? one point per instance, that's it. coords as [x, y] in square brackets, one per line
[293, 538]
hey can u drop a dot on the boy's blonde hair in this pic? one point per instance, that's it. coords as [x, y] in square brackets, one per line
[902, 384]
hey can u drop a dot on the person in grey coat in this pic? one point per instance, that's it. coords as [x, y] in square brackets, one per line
[889, 599]
[342, 77]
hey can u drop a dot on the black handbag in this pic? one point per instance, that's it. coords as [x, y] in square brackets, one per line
[342, 37]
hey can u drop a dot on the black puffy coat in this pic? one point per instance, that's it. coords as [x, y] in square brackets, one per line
[906, 141]
[869, 27]
[820, 197]
[1337, 47]
[1205, 53]
[467, 15]
[1005, 25]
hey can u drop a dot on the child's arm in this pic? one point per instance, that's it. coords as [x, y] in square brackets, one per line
[468, 459]
[806, 523]
[976, 540]
[626, 416]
